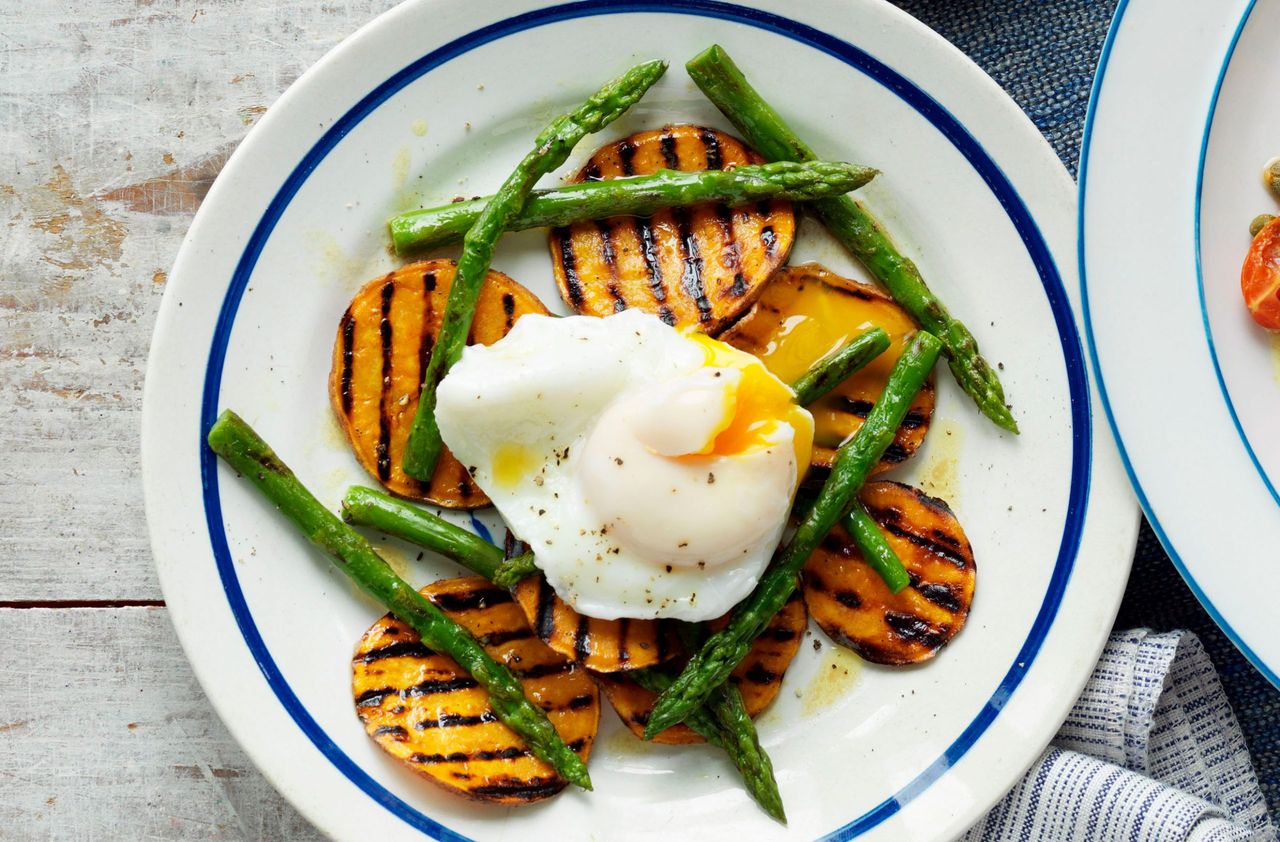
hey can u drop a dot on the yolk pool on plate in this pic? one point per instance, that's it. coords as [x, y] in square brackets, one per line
[822, 320]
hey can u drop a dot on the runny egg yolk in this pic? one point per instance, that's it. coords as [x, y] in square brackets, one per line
[754, 409]
[698, 469]
[822, 319]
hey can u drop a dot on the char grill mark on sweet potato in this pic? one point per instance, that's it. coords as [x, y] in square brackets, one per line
[603, 646]
[758, 677]
[347, 332]
[383, 448]
[851, 603]
[569, 267]
[700, 266]
[399, 649]
[422, 709]
[455, 720]
[383, 344]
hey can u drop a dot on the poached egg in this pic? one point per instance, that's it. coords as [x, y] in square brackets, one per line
[651, 470]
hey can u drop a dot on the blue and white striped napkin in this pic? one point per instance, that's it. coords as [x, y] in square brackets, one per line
[1150, 753]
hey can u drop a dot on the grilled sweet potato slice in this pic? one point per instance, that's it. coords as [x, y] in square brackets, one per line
[758, 677]
[701, 266]
[807, 312]
[384, 341]
[600, 645]
[424, 710]
[852, 604]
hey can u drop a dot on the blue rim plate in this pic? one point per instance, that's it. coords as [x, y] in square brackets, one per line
[441, 88]
[1191, 387]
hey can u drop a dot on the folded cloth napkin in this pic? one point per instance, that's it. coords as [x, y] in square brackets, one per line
[1151, 752]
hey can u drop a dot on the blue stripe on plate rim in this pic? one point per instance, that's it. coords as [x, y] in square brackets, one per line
[1143, 500]
[930, 109]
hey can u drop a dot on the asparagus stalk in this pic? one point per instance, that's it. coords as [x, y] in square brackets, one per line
[874, 548]
[854, 226]
[725, 724]
[711, 665]
[742, 742]
[638, 195]
[511, 571]
[551, 149]
[828, 373]
[367, 507]
[242, 448]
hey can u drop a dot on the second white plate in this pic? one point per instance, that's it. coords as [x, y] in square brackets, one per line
[1169, 180]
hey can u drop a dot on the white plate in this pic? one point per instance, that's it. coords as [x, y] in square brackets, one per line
[1169, 180]
[437, 98]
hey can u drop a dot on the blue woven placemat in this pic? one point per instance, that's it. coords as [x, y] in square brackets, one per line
[1043, 52]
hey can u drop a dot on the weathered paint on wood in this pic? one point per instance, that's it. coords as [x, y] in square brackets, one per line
[105, 734]
[115, 116]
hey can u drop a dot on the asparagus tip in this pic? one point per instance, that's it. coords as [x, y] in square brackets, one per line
[1006, 421]
[581, 778]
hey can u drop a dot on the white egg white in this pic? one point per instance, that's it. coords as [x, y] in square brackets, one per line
[542, 420]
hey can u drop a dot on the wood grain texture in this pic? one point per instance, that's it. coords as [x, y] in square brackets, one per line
[115, 116]
[133, 750]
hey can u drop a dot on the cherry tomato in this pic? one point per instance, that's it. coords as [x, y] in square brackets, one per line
[1260, 277]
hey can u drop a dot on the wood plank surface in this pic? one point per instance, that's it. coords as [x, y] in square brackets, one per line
[115, 116]
[105, 734]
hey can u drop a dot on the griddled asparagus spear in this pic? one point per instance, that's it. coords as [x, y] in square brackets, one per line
[242, 448]
[829, 373]
[854, 226]
[875, 550]
[638, 195]
[515, 569]
[710, 667]
[367, 507]
[551, 149]
[725, 724]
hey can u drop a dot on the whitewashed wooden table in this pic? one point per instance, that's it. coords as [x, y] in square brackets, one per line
[115, 116]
